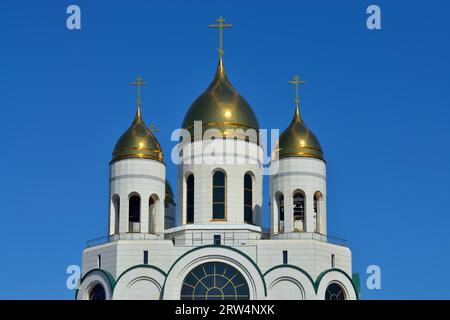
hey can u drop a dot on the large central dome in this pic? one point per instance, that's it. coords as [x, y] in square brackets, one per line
[220, 107]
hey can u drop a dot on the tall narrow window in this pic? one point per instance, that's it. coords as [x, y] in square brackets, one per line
[190, 199]
[299, 211]
[280, 204]
[134, 213]
[219, 189]
[248, 199]
[145, 257]
[151, 214]
[116, 204]
[285, 257]
[317, 208]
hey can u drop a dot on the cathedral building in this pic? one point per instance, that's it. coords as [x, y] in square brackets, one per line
[208, 242]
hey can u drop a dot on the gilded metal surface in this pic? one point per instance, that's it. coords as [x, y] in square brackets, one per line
[138, 141]
[298, 140]
[220, 107]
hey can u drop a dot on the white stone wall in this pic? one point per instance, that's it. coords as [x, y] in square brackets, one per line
[239, 157]
[298, 173]
[313, 257]
[144, 177]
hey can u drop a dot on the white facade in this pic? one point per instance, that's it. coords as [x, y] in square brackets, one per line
[233, 157]
[298, 175]
[149, 262]
[144, 178]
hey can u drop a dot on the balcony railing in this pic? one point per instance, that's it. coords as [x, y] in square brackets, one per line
[310, 236]
[121, 236]
[228, 237]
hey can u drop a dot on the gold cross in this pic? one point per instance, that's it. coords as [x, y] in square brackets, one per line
[220, 26]
[139, 83]
[296, 80]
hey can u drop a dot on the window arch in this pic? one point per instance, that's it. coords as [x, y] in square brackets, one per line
[116, 208]
[279, 198]
[190, 199]
[97, 293]
[299, 210]
[317, 210]
[335, 291]
[152, 207]
[248, 198]
[215, 281]
[134, 213]
[219, 196]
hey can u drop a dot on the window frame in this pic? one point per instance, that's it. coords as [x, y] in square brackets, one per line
[246, 205]
[188, 195]
[224, 203]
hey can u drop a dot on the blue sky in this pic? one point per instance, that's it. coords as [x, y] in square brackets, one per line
[378, 101]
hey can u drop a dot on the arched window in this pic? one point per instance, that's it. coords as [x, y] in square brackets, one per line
[116, 205]
[248, 199]
[299, 206]
[152, 213]
[215, 281]
[280, 207]
[190, 199]
[335, 292]
[97, 293]
[134, 213]
[317, 208]
[219, 196]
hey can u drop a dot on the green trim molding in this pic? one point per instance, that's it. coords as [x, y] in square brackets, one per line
[217, 246]
[322, 274]
[109, 276]
[293, 267]
[146, 266]
[357, 283]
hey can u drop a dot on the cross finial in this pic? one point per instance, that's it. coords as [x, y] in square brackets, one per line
[139, 83]
[296, 80]
[220, 26]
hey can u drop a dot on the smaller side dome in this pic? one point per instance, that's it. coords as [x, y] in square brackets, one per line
[138, 142]
[298, 141]
[168, 198]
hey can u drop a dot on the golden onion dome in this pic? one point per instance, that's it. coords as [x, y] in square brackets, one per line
[220, 107]
[168, 198]
[298, 141]
[138, 142]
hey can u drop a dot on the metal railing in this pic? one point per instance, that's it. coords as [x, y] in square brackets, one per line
[227, 237]
[121, 236]
[310, 236]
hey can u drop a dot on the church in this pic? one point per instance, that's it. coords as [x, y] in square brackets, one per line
[207, 241]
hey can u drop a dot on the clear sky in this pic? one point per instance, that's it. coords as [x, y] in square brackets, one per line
[378, 100]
